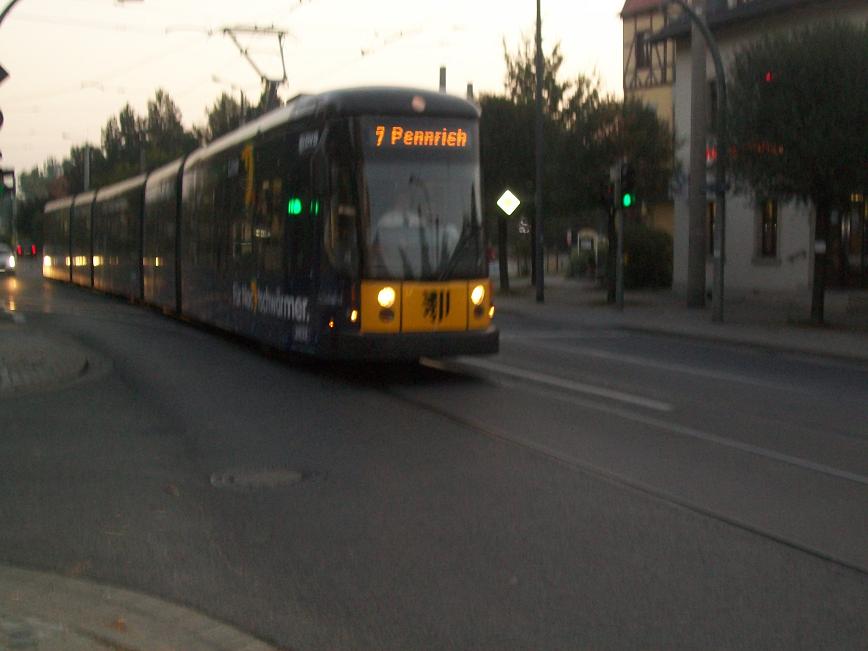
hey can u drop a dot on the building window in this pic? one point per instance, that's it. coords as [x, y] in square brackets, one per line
[643, 50]
[768, 229]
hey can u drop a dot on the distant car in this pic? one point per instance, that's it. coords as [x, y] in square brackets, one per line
[26, 249]
[7, 259]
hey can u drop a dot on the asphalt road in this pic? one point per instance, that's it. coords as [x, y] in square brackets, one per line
[583, 489]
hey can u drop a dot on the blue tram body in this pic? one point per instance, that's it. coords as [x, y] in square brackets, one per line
[346, 224]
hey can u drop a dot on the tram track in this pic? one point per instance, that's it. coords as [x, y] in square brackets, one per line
[614, 478]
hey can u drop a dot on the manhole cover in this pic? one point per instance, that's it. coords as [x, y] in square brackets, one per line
[253, 479]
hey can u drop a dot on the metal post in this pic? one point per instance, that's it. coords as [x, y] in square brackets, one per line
[538, 196]
[722, 161]
[697, 243]
[619, 265]
[86, 167]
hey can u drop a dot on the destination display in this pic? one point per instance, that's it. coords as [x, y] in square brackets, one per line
[404, 136]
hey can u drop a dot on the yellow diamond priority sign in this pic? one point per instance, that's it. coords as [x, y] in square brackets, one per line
[508, 202]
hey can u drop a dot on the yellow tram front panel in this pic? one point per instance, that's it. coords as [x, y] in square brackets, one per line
[434, 307]
[394, 307]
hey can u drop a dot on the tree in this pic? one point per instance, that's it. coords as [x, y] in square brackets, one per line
[520, 81]
[633, 131]
[798, 110]
[123, 141]
[585, 133]
[35, 187]
[130, 140]
[225, 115]
[164, 134]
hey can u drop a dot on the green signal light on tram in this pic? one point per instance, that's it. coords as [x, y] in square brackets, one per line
[294, 206]
[627, 200]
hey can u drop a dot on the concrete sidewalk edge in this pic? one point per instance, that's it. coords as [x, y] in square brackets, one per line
[660, 315]
[64, 612]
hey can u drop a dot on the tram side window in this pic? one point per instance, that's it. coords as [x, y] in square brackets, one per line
[202, 218]
[301, 210]
[271, 214]
[236, 209]
[341, 239]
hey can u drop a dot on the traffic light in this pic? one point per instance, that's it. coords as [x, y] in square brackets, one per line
[7, 182]
[628, 185]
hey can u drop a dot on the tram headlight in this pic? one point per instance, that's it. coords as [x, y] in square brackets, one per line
[477, 295]
[386, 297]
[11, 262]
[46, 261]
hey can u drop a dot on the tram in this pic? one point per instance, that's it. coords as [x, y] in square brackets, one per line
[343, 225]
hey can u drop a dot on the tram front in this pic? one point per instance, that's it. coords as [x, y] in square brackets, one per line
[423, 287]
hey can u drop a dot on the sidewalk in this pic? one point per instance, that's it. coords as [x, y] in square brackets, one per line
[774, 321]
[51, 612]
[29, 360]
[56, 613]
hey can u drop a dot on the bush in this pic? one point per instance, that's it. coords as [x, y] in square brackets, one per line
[648, 257]
[582, 263]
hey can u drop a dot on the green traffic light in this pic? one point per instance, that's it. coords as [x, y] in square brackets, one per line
[627, 200]
[294, 206]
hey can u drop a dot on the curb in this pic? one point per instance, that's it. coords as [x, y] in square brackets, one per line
[842, 345]
[30, 361]
[55, 613]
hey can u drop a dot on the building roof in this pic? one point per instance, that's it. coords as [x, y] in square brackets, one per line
[719, 14]
[633, 7]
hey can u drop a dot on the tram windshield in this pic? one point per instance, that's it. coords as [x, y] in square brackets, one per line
[423, 216]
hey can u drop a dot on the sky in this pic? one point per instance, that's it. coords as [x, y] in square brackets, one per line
[75, 63]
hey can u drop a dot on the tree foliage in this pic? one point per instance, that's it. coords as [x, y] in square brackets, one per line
[585, 133]
[798, 114]
[164, 135]
[225, 115]
[520, 84]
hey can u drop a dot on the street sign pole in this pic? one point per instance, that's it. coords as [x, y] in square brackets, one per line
[508, 203]
[538, 223]
[619, 245]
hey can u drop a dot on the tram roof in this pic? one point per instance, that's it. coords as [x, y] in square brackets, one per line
[385, 100]
[58, 204]
[370, 100]
[378, 100]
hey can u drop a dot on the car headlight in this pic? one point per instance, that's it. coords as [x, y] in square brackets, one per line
[11, 262]
[386, 297]
[477, 295]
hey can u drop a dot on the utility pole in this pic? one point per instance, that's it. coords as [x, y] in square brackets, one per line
[619, 246]
[86, 167]
[696, 197]
[538, 196]
[720, 184]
